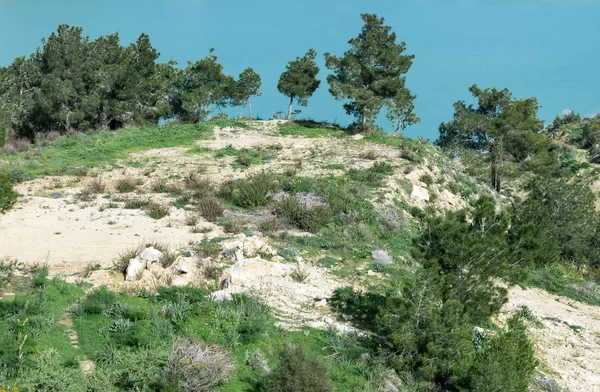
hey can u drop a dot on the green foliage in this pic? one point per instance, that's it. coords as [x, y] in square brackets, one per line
[69, 154]
[249, 193]
[8, 197]
[305, 217]
[210, 208]
[506, 362]
[299, 81]
[557, 280]
[310, 129]
[247, 86]
[370, 75]
[507, 129]
[298, 372]
[557, 222]
[74, 83]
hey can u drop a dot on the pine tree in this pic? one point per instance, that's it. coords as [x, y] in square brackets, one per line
[299, 81]
[371, 75]
[247, 86]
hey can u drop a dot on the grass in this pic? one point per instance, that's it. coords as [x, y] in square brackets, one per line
[67, 155]
[310, 129]
[560, 281]
[129, 337]
[245, 157]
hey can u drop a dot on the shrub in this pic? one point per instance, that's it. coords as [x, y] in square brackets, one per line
[96, 186]
[98, 301]
[200, 186]
[168, 258]
[426, 179]
[299, 214]
[250, 193]
[210, 208]
[268, 225]
[197, 365]
[8, 197]
[7, 269]
[506, 362]
[126, 185]
[135, 204]
[157, 210]
[381, 257]
[299, 373]
[122, 261]
[299, 275]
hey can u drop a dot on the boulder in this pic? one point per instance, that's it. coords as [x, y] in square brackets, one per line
[151, 255]
[134, 269]
[419, 193]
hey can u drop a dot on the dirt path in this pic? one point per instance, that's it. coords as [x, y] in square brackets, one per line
[569, 341]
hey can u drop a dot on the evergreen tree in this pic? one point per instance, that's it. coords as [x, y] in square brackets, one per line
[247, 86]
[371, 75]
[199, 86]
[502, 127]
[299, 81]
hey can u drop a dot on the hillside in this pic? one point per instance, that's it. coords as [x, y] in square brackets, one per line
[302, 217]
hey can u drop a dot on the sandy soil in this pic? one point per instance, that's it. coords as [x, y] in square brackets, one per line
[568, 343]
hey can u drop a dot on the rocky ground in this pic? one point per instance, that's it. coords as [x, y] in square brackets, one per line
[80, 239]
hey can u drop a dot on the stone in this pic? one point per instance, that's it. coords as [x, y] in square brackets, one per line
[150, 254]
[134, 268]
[419, 193]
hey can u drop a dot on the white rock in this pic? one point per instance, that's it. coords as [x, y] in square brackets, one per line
[150, 254]
[419, 193]
[181, 268]
[277, 259]
[133, 269]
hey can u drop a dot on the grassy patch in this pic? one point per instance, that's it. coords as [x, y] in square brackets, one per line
[310, 129]
[557, 280]
[68, 155]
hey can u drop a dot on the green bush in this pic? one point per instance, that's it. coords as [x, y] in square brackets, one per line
[250, 193]
[210, 208]
[8, 197]
[506, 362]
[306, 218]
[2, 138]
[298, 372]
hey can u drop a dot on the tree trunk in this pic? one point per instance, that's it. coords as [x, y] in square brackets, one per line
[250, 108]
[494, 168]
[363, 117]
[289, 116]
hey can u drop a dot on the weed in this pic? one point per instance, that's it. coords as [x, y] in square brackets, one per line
[299, 275]
[191, 220]
[199, 185]
[426, 179]
[157, 210]
[135, 204]
[126, 185]
[210, 208]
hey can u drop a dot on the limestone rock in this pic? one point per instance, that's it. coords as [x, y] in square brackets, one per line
[134, 268]
[419, 193]
[150, 254]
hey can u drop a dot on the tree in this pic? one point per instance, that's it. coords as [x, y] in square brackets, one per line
[370, 75]
[299, 81]
[502, 127]
[199, 86]
[557, 222]
[247, 86]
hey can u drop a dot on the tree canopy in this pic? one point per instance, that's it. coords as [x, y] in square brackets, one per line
[501, 127]
[370, 75]
[299, 80]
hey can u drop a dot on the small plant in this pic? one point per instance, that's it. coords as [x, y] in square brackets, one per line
[233, 226]
[268, 225]
[197, 365]
[135, 204]
[299, 275]
[370, 155]
[298, 372]
[382, 168]
[200, 186]
[250, 193]
[160, 186]
[126, 185]
[157, 210]
[122, 261]
[191, 220]
[168, 258]
[177, 311]
[210, 208]
[426, 179]
[289, 254]
[381, 258]
[89, 268]
[8, 197]
[96, 186]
